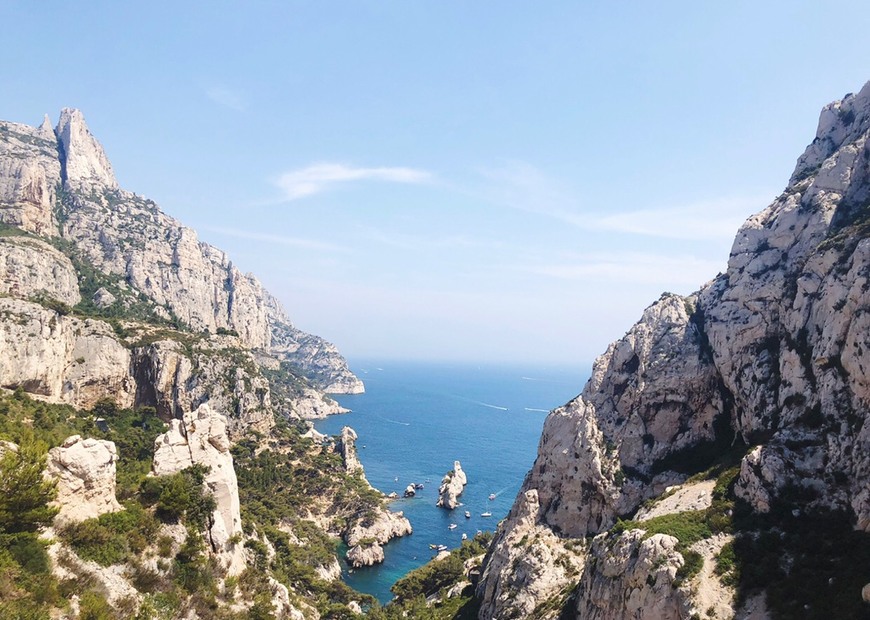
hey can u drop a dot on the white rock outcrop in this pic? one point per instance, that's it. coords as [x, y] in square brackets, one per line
[365, 539]
[61, 358]
[633, 578]
[347, 448]
[85, 473]
[384, 526]
[30, 174]
[200, 438]
[451, 487]
[30, 267]
[530, 564]
[84, 161]
[365, 554]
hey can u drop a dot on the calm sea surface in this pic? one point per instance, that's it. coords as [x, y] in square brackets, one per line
[415, 419]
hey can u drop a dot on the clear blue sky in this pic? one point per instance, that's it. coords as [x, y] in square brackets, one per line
[449, 180]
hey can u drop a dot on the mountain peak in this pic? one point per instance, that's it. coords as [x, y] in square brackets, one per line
[83, 160]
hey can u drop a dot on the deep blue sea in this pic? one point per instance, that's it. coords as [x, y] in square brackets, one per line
[416, 418]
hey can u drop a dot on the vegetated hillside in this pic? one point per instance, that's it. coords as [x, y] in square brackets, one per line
[163, 395]
[717, 463]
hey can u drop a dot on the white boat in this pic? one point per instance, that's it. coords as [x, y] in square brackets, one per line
[452, 526]
[485, 514]
[467, 515]
[464, 536]
[492, 496]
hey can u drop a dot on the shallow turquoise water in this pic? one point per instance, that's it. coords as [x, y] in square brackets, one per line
[415, 419]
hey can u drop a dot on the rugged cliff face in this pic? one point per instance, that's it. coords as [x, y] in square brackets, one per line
[116, 320]
[59, 183]
[772, 354]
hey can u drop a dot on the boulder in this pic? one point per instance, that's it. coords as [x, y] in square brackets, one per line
[85, 473]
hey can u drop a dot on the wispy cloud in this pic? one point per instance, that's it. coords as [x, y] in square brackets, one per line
[226, 97]
[322, 176]
[631, 267]
[296, 242]
[521, 186]
[414, 242]
[703, 220]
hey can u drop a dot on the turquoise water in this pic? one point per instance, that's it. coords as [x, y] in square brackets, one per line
[415, 419]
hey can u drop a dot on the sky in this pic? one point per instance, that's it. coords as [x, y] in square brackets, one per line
[479, 181]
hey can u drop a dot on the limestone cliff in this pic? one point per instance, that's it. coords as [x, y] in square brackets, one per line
[773, 354]
[60, 183]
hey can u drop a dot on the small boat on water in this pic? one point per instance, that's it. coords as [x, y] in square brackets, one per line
[418, 486]
[452, 526]
[433, 546]
[485, 514]
[467, 515]
[441, 548]
[492, 496]
[464, 536]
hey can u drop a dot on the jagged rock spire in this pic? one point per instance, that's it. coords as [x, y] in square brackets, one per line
[83, 160]
[46, 128]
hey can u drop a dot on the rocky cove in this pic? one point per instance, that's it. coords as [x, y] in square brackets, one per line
[714, 466]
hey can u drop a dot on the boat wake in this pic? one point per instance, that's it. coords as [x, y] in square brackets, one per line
[533, 409]
[380, 417]
[500, 491]
[493, 406]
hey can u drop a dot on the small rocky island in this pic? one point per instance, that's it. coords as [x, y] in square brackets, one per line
[451, 487]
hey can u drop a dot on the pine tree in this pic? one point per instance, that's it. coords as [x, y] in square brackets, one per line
[24, 493]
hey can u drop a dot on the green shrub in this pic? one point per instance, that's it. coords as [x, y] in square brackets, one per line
[192, 571]
[180, 496]
[113, 537]
[94, 606]
[726, 565]
[693, 562]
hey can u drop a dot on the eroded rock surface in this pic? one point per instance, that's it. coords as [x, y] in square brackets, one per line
[200, 438]
[30, 267]
[451, 487]
[85, 473]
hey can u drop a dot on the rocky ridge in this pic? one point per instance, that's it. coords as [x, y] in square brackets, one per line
[771, 354]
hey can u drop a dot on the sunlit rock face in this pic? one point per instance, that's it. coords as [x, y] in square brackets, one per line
[774, 353]
[200, 438]
[84, 470]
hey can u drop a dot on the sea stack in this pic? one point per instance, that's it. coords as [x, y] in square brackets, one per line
[451, 487]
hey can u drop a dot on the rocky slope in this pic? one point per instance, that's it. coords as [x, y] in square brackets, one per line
[115, 320]
[772, 354]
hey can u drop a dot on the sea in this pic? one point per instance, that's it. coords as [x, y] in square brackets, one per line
[415, 419]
